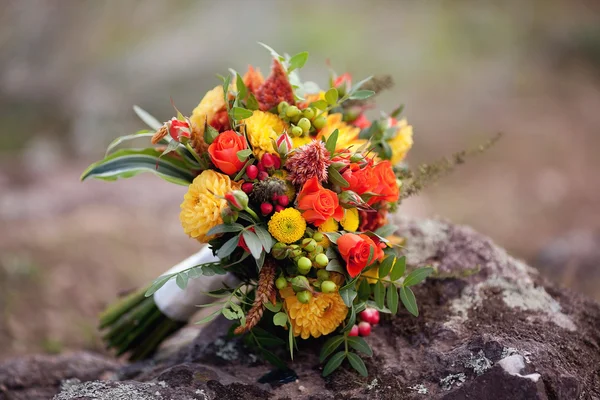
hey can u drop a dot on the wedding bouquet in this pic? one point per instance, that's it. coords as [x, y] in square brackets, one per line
[290, 185]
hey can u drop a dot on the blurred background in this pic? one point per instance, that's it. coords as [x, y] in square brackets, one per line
[70, 71]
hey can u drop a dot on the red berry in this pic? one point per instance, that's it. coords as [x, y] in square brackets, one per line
[275, 197]
[375, 317]
[266, 208]
[252, 172]
[353, 331]
[261, 167]
[283, 200]
[364, 328]
[277, 162]
[279, 208]
[247, 187]
[367, 315]
[268, 161]
[262, 175]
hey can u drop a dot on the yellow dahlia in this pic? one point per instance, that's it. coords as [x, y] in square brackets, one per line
[402, 142]
[320, 316]
[201, 207]
[287, 225]
[263, 128]
[350, 220]
[212, 102]
[347, 134]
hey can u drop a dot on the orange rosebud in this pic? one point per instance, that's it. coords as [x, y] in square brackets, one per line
[355, 250]
[223, 151]
[386, 188]
[318, 204]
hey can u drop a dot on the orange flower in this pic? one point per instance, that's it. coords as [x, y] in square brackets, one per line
[318, 204]
[355, 250]
[387, 188]
[361, 180]
[223, 152]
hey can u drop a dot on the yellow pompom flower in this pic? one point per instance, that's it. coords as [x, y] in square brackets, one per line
[330, 225]
[301, 141]
[402, 142]
[201, 207]
[263, 128]
[212, 102]
[350, 220]
[287, 225]
[320, 316]
[347, 134]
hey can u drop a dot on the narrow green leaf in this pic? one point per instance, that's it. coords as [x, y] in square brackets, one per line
[386, 266]
[348, 295]
[359, 344]
[265, 238]
[379, 294]
[291, 340]
[298, 61]
[364, 290]
[121, 139]
[392, 298]
[358, 364]
[336, 178]
[241, 87]
[351, 320]
[386, 230]
[253, 243]
[386, 152]
[181, 280]
[157, 284]
[331, 96]
[273, 359]
[213, 269]
[251, 102]
[210, 317]
[228, 247]
[408, 299]
[273, 52]
[239, 113]
[243, 155]
[417, 276]
[330, 346]
[230, 315]
[334, 363]
[260, 261]
[280, 319]
[224, 228]
[361, 94]
[357, 85]
[319, 105]
[332, 141]
[399, 268]
[147, 118]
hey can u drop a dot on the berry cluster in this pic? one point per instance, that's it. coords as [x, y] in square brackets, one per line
[369, 318]
[302, 122]
[261, 173]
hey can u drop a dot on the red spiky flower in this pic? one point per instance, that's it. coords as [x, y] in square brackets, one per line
[275, 89]
[308, 161]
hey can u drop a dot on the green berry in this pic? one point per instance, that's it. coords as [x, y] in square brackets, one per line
[304, 265]
[305, 296]
[322, 274]
[328, 287]
[300, 283]
[297, 131]
[292, 111]
[318, 236]
[319, 122]
[304, 123]
[309, 113]
[282, 107]
[319, 249]
[322, 260]
[309, 245]
[281, 283]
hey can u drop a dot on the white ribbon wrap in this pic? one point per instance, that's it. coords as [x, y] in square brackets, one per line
[180, 305]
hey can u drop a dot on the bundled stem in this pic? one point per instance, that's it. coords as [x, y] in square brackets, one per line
[265, 292]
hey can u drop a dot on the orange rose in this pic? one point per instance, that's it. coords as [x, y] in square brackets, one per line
[355, 250]
[387, 188]
[223, 152]
[361, 180]
[318, 204]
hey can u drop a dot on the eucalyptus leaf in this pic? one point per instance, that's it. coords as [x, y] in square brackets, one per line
[253, 243]
[265, 238]
[228, 247]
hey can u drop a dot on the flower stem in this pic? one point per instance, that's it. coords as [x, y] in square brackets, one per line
[252, 213]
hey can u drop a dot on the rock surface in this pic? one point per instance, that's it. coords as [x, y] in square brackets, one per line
[490, 328]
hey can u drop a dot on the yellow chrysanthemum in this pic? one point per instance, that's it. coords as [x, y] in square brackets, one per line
[330, 225]
[402, 142]
[201, 208]
[347, 134]
[262, 129]
[301, 141]
[350, 220]
[287, 225]
[320, 316]
[212, 102]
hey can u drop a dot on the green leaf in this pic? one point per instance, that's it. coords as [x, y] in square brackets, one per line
[253, 243]
[273, 52]
[379, 294]
[157, 284]
[332, 141]
[334, 363]
[243, 155]
[251, 102]
[359, 344]
[298, 61]
[224, 228]
[147, 118]
[386, 152]
[348, 295]
[408, 299]
[361, 94]
[280, 319]
[399, 268]
[364, 290]
[335, 266]
[330, 346]
[265, 238]
[291, 340]
[213, 269]
[241, 87]
[319, 105]
[417, 276]
[392, 298]
[126, 163]
[121, 139]
[230, 315]
[396, 112]
[351, 320]
[210, 317]
[357, 85]
[331, 96]
[386, 230]
[239, 113]
[386, 266]
[273, 308]
[228, 247]
[357, 363]
[210, 133]
[332, 236]
[181, 280]
[336, 178]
